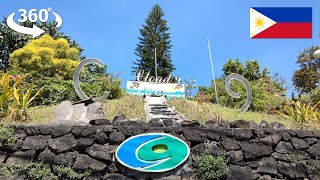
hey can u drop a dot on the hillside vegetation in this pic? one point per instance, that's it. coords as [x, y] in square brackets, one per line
[202, 112]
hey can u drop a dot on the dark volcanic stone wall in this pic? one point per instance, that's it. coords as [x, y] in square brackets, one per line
[256, 153]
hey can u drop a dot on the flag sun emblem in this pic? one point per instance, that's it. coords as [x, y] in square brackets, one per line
[259, 22]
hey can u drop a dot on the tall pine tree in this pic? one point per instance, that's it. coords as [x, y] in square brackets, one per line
[154, 34]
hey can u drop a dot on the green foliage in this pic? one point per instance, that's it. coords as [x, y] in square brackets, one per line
[95, 81]
[48, 57]
[251, 71]
[210, 167]
[6, 136]
[266, 95]
[232, 66]
[38, 171]
[6, 93]
[16, 97]
[50, 65]
[307, 77]
[311, 97]
[203, 112]
[93, 85]
[11, 40]
[315, 96]
[66, 172]
[302, 113]
[268, 92]
[54, 90]
[154, 35]
[22, 101]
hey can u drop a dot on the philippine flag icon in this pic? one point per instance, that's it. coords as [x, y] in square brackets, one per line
[281, 22]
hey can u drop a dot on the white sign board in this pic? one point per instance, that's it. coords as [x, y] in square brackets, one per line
[141, 88]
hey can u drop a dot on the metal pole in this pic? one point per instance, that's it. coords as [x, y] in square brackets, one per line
[214, 80]
[155, 62]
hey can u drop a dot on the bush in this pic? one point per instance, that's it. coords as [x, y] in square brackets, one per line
[210, 167]
[15, 97]
[97, 85]
[22, 101]
[37, 171]
[48, 57]
[56, 90]
[6, 94]
[266, 95]
[6, 136]
[302, 114]
[315, 96]
[312, 97]
[66, 172]
[268, 91]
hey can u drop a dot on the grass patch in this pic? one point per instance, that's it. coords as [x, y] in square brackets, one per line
[205, 111]
[38, 115]
[131, 106]
[42, 114]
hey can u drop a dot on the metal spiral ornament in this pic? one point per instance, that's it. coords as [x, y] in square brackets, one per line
[76, 80]
[243, 81]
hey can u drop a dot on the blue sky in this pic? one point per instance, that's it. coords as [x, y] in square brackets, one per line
[109, 30]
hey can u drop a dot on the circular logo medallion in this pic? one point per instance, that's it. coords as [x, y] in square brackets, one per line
[152, 152]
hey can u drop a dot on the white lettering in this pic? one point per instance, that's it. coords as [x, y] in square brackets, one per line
[159, 79]
[146, 78]
[140, 76]
[178, 79]
[151, 79]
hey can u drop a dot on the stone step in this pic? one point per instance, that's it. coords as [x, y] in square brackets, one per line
[165, 117]
[158, 106]
[158, 109]
[162, 111]
[166, 114]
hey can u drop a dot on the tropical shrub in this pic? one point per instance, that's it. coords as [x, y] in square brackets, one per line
[302, 114]
[55, 91]
[47, 57]
[16, 96]
[6, 93]
[312, 97]
[210, 167]
[307, 77]
[6, 135]
[66, 172]
[265, 95]
[39, 171]
[94, 82]
[268, 93]
[21, 102]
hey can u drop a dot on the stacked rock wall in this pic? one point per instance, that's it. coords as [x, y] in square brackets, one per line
[256, 153]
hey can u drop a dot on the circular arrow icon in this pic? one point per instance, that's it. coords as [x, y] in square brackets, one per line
[35, 30]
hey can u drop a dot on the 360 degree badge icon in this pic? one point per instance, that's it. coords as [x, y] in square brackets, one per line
[152, 152]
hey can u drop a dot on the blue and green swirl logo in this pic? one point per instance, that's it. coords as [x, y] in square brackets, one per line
[152, 152]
